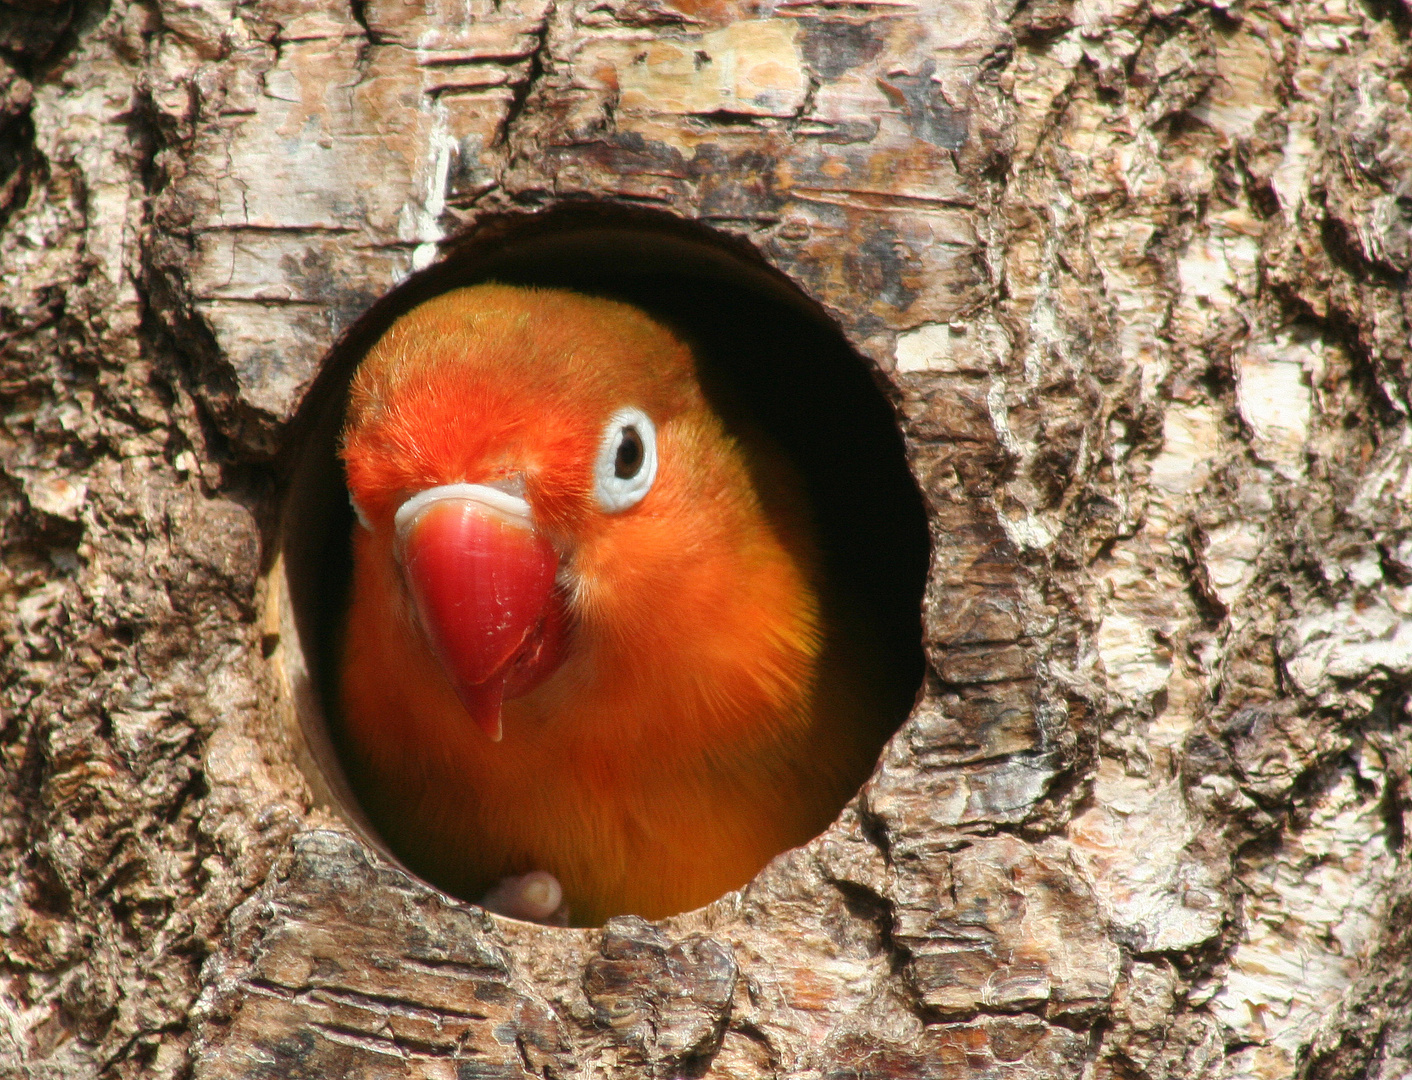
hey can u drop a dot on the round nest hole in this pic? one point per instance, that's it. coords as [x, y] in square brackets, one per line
[767, 354]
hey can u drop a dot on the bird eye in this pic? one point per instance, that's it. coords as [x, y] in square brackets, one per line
[627, 460]
[627, 463]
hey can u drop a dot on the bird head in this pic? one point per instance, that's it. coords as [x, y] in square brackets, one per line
[497, 442]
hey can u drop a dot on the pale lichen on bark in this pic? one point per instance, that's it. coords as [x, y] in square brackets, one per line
[1133, 273]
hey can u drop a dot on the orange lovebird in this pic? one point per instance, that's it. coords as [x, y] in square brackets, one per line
[588, 644]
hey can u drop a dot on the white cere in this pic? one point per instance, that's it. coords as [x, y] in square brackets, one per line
[627, 460]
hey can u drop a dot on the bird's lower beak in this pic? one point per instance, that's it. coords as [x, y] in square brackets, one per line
[482, 582]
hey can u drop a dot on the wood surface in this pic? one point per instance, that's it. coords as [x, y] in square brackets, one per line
[1133, 274]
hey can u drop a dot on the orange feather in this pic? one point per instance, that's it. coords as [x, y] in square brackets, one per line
[706, 715]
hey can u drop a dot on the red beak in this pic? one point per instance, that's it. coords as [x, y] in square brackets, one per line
[482, 582]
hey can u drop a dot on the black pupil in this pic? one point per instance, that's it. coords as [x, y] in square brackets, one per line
[629, 458]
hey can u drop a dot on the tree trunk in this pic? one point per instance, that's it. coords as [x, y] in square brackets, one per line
[1133, 273]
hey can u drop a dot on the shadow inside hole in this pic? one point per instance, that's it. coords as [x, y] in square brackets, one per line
[768, 355]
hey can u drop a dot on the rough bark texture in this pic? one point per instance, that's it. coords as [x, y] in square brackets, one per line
[1136, 274]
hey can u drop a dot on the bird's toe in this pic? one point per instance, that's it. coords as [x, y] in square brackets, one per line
[533, 897]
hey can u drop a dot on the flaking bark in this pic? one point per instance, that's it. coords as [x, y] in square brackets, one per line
[1133, 272]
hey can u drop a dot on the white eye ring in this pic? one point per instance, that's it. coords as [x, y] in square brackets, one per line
[627, 460]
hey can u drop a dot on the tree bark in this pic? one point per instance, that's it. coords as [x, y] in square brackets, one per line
[1134, 274]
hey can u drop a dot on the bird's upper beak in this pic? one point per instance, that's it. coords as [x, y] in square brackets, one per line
[482, 582]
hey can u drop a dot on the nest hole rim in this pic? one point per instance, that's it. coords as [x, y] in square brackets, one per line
[506, 247]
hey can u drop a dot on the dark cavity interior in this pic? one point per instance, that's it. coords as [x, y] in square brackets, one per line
[769, 355]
